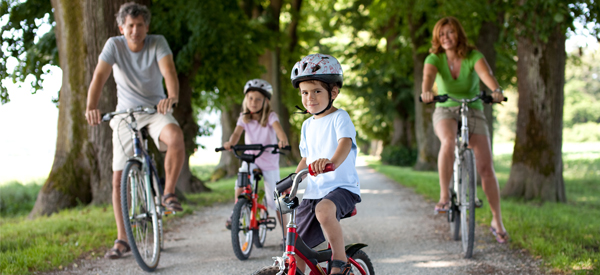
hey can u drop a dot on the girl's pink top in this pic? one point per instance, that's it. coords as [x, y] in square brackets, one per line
[256, 134]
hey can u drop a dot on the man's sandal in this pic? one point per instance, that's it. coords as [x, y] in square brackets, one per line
[346, 268]
[172, 204]
[115, 253]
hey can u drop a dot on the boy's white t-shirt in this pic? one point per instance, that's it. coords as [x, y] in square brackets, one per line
[319, 139]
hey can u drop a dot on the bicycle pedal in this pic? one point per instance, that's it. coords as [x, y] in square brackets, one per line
[270, 222]
[478, 203]
[169, 212]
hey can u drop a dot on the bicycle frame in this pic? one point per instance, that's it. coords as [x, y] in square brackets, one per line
[251, 192]
[140, 154]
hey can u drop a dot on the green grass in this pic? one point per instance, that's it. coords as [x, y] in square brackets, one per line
[566, 236]
[17, 199]
[51, 243]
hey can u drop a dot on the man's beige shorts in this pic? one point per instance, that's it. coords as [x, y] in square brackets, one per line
[477, 123]
[122, 142]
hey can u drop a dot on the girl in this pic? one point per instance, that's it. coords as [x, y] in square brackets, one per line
[262, 126]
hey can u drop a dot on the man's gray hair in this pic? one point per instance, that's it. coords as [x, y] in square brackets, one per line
[134, 10]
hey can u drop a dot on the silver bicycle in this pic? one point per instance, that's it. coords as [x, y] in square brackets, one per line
[463, 185]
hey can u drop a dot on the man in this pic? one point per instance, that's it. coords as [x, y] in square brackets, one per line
[140, 62]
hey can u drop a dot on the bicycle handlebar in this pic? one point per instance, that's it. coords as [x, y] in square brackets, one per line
[294, 180]
[443, 98]
[106, 117]
[256, 147]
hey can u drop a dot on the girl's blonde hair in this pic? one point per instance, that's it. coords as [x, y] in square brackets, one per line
[462, 46]
[264, 115]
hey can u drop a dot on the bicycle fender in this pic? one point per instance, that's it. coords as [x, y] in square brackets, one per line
[353, 248]
[244, 196]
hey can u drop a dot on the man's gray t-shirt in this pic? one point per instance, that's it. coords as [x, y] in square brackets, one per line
[138, 78]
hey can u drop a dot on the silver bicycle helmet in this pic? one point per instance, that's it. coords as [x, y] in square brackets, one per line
[318, 67]
[259, 85]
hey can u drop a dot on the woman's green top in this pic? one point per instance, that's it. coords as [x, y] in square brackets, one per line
[465, 86]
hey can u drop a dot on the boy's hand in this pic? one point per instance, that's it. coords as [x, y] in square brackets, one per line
[319, 165]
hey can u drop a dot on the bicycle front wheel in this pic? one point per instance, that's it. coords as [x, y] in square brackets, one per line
[467, 202]
[241, 234]
[140, 217]
[260, 234]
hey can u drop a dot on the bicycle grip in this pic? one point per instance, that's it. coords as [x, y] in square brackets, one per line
[285, 183]
[328, 168]
[219, 149]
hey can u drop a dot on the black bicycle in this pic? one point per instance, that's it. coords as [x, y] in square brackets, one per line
[463, 185]
[141, 191]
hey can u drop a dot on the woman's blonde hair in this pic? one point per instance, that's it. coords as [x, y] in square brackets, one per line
[264, 115]
[462, 46]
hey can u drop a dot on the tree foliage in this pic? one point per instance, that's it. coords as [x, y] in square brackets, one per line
[19, 41]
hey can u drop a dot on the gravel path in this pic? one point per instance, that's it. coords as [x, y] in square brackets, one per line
[403, 234]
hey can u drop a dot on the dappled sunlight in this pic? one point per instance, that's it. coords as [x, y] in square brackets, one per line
[440, 264]
[375, 191]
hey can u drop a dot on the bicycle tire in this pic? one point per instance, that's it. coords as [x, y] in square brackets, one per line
[364, 261]
[260, 234]
[455, 218]
[241, 235]
[137, 219]
[467, 208]
[272, 270]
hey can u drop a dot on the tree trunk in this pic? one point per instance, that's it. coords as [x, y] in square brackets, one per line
[228, 164]
[488, 35]
[537, 166]
[427, 142]
[184, 113]
[82, 168]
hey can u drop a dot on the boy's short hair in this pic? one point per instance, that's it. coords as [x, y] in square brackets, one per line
[327, 86]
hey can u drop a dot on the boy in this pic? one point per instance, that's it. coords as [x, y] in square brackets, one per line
[327, 137]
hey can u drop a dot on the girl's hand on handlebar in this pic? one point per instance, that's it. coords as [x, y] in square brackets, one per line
[427, 97]
[283, 143]
[93, 117]
[166, 105]
[227, 145]
[318, 166]
[498, 97]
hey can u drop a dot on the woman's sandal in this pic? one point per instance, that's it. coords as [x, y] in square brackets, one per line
[115, 253]
[500, 237]
[172, 204]
[442, 207]
[346, 268]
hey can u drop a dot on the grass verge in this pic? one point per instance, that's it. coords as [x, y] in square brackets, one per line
[55, 242]
[566, 236]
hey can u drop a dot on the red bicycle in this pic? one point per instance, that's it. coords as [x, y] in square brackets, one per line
[252, 217]
[315, 260]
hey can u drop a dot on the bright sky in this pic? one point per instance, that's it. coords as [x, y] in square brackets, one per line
[28, 124]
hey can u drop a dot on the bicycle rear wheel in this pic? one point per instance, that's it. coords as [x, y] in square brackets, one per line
[241, 234]
[140, 217]
[467, 202]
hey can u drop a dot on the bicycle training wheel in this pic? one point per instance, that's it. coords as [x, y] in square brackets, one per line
[260, 234]
[467, 203]
[363, 260]
[241, 234]
[140, 217]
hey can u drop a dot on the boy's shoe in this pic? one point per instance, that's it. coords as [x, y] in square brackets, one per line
[346, 268]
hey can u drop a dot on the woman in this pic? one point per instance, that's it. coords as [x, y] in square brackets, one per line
[456, 68]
